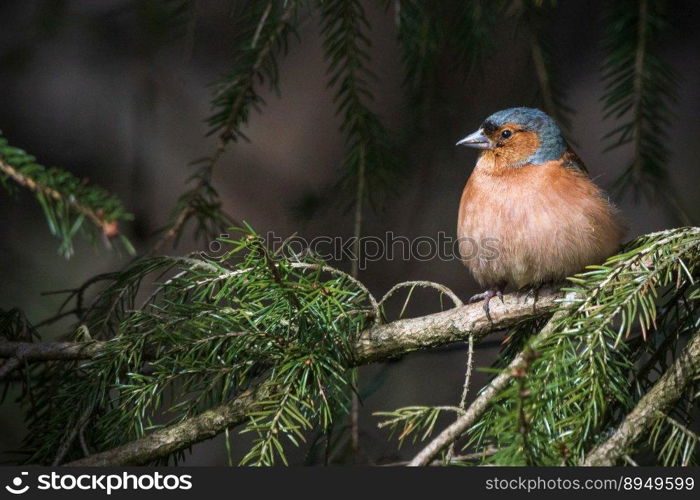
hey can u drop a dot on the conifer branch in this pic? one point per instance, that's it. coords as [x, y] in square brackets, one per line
[486, 396]
[234, 98]
[369, 168]
[421, 40]
[376, 344]
[40, 188]
[66, 200]
[640, 90]
[367, 160]
[165, 442]
[216, 328]
[629, 289]
[660, 399]
[536, 16]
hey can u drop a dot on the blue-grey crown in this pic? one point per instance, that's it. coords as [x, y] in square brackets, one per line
[552, 143]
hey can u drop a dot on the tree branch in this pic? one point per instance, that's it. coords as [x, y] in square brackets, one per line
[454, 325]
[375, 344]
[109, 228]
[661, 398]
[481, 403]
[49, 351]
[8, 367]
[179, 436]
[234, 115]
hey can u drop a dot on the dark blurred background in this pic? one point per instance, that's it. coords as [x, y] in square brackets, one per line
[108, 91]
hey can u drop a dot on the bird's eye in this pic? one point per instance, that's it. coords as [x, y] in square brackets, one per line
[506, 134]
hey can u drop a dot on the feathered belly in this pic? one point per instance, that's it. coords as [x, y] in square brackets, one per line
[533, 225]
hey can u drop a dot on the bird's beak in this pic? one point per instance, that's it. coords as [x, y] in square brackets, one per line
[476, 140]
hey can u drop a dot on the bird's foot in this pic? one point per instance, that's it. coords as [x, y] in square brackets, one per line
[481, 296]
[495, 291]
[533, 290]
[535, 296]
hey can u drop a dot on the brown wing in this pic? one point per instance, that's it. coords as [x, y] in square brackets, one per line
[572, 161]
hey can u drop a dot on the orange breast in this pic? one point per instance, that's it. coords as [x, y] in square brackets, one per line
[533, 224]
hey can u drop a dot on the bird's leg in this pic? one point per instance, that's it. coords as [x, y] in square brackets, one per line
[535, 296]
[499, 294]
[533, 290]
[494, 291]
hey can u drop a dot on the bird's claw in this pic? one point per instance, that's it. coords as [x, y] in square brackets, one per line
[496, 291]
[487, 311]
[479, 296]
[535, 296]
[525, 293]
[534, 290]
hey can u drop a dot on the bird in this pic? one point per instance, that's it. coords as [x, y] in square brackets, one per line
[530, 207]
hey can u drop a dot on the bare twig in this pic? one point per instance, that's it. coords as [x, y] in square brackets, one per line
[465, 390]
[10, 365]
[357, 233]
[468, 374]
[70, 436]
[425, 284]
[83, 442]
[468, 457]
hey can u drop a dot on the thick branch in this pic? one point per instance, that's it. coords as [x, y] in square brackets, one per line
[454, 325]
[661, 398]
[375, 344]
[179, 436]
[49, 351]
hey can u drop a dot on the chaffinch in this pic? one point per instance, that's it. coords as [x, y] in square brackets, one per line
[530, 196]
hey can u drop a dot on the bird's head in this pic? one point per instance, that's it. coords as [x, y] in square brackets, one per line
[519, 136]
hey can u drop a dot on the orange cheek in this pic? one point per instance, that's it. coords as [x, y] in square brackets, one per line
[520, 147]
